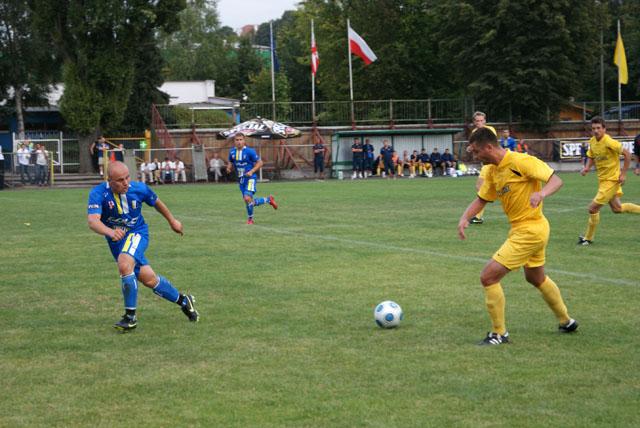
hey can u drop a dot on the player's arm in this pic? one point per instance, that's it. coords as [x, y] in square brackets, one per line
[176, 226]
[625, 166]
[100, 228]
[587, 167]
[256, 167]
[474, 208]
[553, 185]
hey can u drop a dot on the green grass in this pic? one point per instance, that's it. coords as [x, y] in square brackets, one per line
[287, 336]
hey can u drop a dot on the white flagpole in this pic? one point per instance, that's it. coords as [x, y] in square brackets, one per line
[619, 84]
[273, 78]
[350, 75]
[313, 79]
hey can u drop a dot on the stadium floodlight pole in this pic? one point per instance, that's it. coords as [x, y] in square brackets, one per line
[353, 118]
[273, 75]
[313, 78]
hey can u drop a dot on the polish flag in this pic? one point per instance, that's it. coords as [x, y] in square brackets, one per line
[360, 47]
[315, 58]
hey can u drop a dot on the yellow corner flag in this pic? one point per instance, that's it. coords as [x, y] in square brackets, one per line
[620, 59]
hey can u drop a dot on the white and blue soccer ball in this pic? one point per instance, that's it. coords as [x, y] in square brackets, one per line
[388, 314]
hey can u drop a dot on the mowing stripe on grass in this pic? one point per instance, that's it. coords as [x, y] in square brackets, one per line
[395, 248]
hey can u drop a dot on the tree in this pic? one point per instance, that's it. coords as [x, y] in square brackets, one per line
[98, 41]
[26, 63]
[520, 60]
[200, 49]
[247, 63]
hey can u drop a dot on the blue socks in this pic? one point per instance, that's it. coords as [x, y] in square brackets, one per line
[130, 291]
[256, 202]
[166, 290]
[260, 201]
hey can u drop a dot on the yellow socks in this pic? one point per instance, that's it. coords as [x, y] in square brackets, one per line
[631, 208]
[494, 299]
[551, 295]
[594, 219]
[480, 213]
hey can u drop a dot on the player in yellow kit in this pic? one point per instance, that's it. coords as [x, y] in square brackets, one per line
[480, 121]
[515, 179]
[605, 153]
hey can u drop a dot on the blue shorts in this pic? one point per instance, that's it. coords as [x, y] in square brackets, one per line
[133, 244]
[248, 186]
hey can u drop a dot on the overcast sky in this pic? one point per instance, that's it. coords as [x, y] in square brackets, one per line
[236, 13]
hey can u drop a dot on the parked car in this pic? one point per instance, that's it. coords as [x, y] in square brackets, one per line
[629, 111]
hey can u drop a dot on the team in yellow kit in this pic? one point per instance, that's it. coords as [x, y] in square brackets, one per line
[515, 179]
[604, 152]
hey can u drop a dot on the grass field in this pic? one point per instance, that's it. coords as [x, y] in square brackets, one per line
[287, 336]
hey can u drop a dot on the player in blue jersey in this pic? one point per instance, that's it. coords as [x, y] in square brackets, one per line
[246, 162]
[115, 211]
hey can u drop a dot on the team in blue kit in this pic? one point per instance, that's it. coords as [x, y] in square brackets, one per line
[246, 163]
[115, 211]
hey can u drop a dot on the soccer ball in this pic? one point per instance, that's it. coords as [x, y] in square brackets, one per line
[388, 314]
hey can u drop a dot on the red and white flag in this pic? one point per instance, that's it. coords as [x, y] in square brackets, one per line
[360, 47]
[315, 58]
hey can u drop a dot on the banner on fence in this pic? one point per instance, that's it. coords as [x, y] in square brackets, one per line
[570, 150]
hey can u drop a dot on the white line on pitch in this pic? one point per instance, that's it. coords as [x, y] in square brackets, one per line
[395, 248]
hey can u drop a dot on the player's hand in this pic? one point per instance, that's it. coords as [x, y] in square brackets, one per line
[118, 234]
[176, 226]
[622, 178]
[636, 171]
[462, 225]
[248, 174]
[584, 171]
[536, 199]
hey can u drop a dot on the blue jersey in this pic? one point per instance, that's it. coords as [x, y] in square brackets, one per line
[122, 210]
[243, 160]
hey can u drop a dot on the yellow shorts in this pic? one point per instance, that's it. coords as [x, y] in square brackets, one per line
[607, 190]
[525, 245]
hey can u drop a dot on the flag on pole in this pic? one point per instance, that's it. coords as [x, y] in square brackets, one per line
[360, 47]
[315, 58]
[620, 59]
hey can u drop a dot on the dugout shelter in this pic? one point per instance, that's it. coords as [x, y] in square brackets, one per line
[400, 140]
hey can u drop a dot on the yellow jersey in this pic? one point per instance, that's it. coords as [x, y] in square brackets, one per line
[606, 155]
[483, 171]
[513, 181]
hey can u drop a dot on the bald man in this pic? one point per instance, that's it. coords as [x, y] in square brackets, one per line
[115, 211]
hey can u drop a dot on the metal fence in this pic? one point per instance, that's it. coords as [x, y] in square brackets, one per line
[65, 152]
[376, 112]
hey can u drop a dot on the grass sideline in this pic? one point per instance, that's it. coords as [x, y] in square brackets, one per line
[287, 336]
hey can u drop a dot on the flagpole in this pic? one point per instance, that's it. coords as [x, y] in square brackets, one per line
[273, 78]
[353, 121]
[313, 80]
[619, 84]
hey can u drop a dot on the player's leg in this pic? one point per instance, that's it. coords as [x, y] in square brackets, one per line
[256, 202]
[129, 285]
[162, 287]
[490, 278]
[618, 207]
[552, 296]
[592, 224]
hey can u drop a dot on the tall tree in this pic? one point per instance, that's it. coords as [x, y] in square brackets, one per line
[98, 40]
[26, 61]
[520, 60]
[200, 49]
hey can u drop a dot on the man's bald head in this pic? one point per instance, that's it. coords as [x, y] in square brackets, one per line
[116, 169]
[119, 177]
